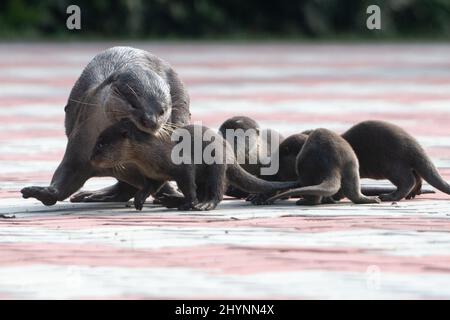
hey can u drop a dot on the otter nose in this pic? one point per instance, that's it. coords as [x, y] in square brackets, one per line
[149, 121]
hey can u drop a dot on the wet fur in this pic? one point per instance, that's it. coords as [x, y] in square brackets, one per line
[119, 82]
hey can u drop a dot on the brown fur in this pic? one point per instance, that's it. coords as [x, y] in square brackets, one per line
[202, 185]
[386, 151]
[260, 139]
[326, 166]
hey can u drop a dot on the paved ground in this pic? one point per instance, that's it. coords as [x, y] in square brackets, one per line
[237, 251]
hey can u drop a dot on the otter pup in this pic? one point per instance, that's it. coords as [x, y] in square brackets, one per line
[120, 82]
[386, 151]
[256, 142]
[202, 184]
[286, 152]
[326, 166]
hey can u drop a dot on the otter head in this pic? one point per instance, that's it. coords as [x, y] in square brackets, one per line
[239, 122]
[140, 95]
[114, 145]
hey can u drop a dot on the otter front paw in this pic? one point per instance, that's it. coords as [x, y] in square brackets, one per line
[139, 200]
[206, 206]
[47, 195]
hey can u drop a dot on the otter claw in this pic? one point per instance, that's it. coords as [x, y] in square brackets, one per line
[205, 206]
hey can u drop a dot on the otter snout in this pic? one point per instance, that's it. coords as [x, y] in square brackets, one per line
[149, 121]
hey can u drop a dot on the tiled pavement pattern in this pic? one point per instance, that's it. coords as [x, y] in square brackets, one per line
[237, 251]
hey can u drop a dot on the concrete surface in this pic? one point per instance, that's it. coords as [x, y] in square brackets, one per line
[344, 251]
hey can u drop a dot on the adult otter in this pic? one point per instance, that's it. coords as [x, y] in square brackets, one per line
[386, 151]
[255, 142]
[120, 82]
[326, 166]
[202, 182]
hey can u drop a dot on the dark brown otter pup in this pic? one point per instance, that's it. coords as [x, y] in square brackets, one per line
[326, 166]
[255, 142]
[287, 154]
[386, 151]
[202, 181]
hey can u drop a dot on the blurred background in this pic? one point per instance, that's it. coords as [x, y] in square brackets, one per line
[225, 19]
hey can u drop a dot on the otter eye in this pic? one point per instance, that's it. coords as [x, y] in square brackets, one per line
[100, 145]
[161, 112]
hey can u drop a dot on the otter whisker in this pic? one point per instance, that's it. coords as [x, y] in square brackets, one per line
[118, 94]
[119, 169]
[116, 171]
[85, 103]
[115, 112]
[173, 125]
[164, 133]
[132, 90]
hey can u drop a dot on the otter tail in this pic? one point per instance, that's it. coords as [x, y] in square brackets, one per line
[243, 180]
[427, 170]
[376, 190]
[327, 188]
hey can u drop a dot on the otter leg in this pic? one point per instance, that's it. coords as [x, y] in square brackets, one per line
[119, 192]
[150, 187]
[214, 188]
[417, 190]
[261, 198]
[329, 200]
[309, 201]
[236, 193]
[404, 180]
[351, 188]
[166, 191]
[130, 181]
[186, 183]
[70, 176]
[334, 199]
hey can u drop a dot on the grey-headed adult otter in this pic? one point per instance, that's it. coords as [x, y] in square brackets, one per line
[202, 183]
[120, 82]
[256, 141]
[326, 166]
